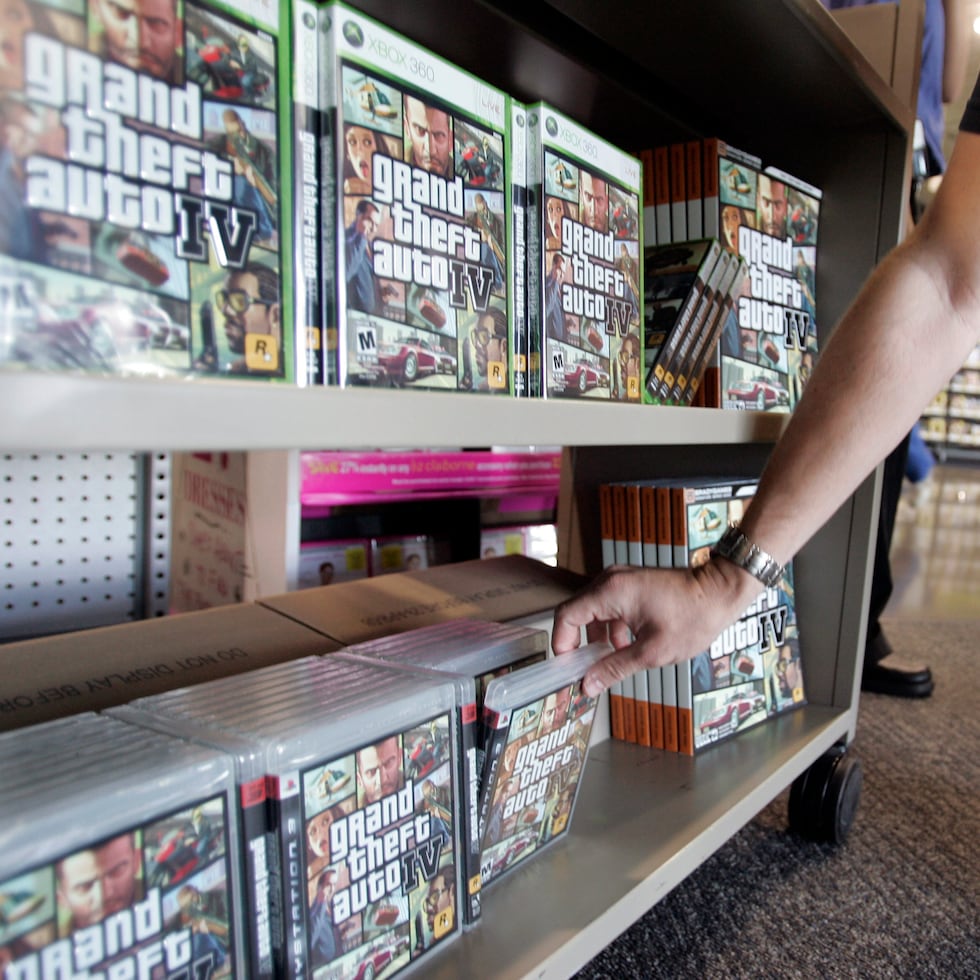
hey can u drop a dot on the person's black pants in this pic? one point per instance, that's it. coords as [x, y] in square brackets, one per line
[881, 582]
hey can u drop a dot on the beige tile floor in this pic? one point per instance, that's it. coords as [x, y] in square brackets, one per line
[935, 552]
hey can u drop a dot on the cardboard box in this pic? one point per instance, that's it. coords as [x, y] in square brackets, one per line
[89, 670]
[500, 589]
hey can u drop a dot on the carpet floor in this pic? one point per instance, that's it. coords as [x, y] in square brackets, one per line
[899, 899]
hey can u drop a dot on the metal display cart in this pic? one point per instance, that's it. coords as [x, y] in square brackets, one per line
[776, 76]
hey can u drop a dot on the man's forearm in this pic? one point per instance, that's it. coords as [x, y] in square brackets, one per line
[888, 357]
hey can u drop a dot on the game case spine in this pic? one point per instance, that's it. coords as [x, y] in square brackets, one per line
[695, 201]
[623, 558]
[654, 687]
[668, 674]
[677, 371]
[661, 161]
[534, 224]
[307, 221]
[709, 188]
[495, 726]
[704, 360]
[608, 544]
[685, 709]
[668, 678]
[649, 199]
[329, 149]
[286, 822]
[678, 192]
[660, 380]
[689, 370]
[518, 248]
[634, 539]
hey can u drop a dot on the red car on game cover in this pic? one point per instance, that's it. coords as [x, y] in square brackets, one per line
[758, 394]
[410, 358]
[583, 376]
[734, 711]
[375, 961]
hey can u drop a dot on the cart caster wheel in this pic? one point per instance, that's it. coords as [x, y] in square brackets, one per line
[824, 799]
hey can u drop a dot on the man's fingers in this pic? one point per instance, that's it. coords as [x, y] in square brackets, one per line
[612, 668]
[565, 635]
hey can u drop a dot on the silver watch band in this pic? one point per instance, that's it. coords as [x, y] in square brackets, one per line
[734, 546]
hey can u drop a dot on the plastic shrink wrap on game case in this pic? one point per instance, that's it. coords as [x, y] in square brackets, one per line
[474, 651]
[538, 723]
[585, 268]
[336, 740]
[121, 862]
[415, 173]
[146, 199]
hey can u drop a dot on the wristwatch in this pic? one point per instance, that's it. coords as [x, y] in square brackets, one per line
[739, 550]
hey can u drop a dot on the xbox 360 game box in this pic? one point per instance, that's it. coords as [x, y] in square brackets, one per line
[538, 723]
[119, 866]
[335, 738]
[417, 242]
[146, 204]
[521, 362]
[585, 260]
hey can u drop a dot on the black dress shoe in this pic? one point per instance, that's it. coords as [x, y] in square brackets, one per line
[897, 681]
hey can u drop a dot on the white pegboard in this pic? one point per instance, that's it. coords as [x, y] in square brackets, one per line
[157, 535]
[73, 542]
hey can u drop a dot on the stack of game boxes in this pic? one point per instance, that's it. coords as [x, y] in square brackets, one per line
[347, 773]
[119, 854]
[751, 672]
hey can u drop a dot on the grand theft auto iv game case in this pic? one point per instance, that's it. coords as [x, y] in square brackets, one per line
[122, 861]
[416, 251]
[363, 853]
[769, 345]
[584, 261]
[146, 203]
[473, 651]
[538, 723]
[753, 670]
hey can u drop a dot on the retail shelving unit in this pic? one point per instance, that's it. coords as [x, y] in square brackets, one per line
[774, 76]
[951, 424]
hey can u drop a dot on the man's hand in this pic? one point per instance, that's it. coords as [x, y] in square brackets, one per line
[652, 617]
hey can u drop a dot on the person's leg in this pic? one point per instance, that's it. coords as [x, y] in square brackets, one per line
[879, 677]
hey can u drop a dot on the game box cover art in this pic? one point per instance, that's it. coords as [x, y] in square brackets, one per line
[585, 269]
[538, 723]
[380, 884]
[106, 872]
[357, 785]
[472, 652]
[420, 277]
[144, 200]
[163, 908]
[769, 344]
[752, 671]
